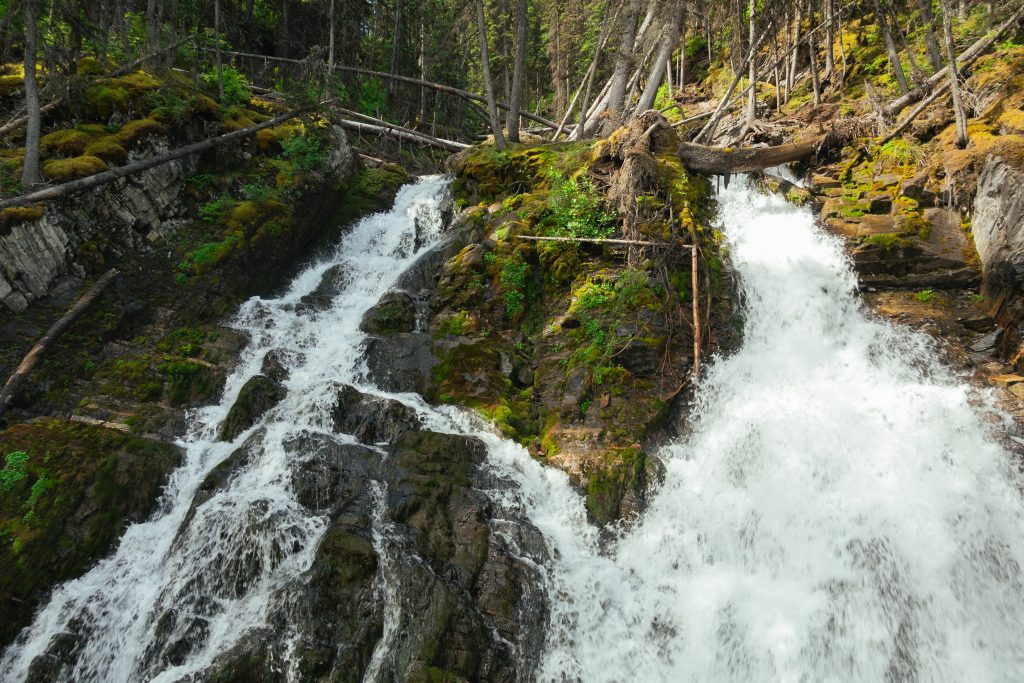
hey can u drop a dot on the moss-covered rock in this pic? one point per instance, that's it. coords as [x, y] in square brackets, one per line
[68, 491]
[394, 313]
[65, 170]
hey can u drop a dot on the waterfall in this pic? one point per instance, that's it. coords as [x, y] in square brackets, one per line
[841, 510]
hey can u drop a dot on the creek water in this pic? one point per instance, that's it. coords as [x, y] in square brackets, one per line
[842, 509]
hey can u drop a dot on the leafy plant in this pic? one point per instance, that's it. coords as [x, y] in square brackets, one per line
[577, 210]
[257, 191]
[212, 211]
[237, 89]
[14, 470]
[925, 295]
[303, 151]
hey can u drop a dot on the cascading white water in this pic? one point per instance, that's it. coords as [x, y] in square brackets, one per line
[180, 590]
[841, 511]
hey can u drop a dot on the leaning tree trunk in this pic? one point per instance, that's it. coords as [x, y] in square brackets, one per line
[624, 60]
[485, 67]
[30, 174]
[890, 48]
[152, 26]
[954, 78]
[930, 43]
[661, 62]
[518, 74]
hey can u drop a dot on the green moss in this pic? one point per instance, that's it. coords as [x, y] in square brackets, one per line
[607, 487]
[67, 143]
[138, 130]
[107, 149]
[888, 241]
[383, 179]
[11, 84]
[64, 170]
[21, 214]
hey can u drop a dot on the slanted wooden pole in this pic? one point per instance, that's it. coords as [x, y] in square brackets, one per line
[14, 385]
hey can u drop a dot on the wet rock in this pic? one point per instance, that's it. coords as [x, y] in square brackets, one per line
[329, 476]
[978, 323]
[822, 182]
[1005, 380]
[886, 181]
[332, 283]
[257, 396]
[880, 203]
[986, 343]
[401, 362]
[393, 314]
[273, 365]
[372, 419]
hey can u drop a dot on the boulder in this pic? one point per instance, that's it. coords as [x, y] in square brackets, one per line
[372, 419]
[395, 313]
[258, 395]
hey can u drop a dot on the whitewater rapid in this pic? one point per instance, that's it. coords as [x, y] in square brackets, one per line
[841, 510]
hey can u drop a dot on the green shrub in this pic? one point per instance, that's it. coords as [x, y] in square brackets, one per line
[303, 151]
[577, 209]
[212, 211]
[925, 295]
[14, 470]
[237, 89]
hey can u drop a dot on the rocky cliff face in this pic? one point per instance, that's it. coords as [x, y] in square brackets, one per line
[999, 237]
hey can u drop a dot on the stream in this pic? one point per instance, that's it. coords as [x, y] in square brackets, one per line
[842, 508]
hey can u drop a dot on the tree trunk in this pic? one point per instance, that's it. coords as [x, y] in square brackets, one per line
[662, 61]
[752, 77]
[485, 68]
[152, 26]
[791, 77]
[30, 175]
[725, 160]
[954, 79]
[930, 43]
[330, 48]
[890, 48]
[519, 72]
[812, 56]
[624, 60]
[830, 39]
[220, 63]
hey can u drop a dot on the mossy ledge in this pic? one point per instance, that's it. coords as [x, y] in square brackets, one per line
[577, 350]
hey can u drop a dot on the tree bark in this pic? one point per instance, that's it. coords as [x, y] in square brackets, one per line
[725, 160]
[220, 64]
[624, 60]
[954, 79]
[330, 49]
[662, 60]
[31, 175]
[14, 384]
[890, 48]
[930, 43]
[485, 67]
[752, 77]
[518, 74]
[370, 124]
[152, 26]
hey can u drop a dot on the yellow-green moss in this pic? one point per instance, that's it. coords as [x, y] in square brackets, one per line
[63, 170]
[108, 149]
[11, 84]
[21, 214]
[137, 130]
[89, 66]
[68, 143]
[270, 139]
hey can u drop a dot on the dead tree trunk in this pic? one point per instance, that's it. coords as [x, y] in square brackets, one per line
[890, 48]
[485, 68]
[624, 60]
[954, 79]
[518, 73]
[662, 60]
[725, 160]
[930, 43]
[220, 63]
[17, 380]
[752, 96]
[30, 174]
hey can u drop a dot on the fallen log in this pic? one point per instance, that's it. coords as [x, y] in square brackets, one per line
[728, 160]
[89, 182]
[965, 60]
[385, 128]
[12, 388]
